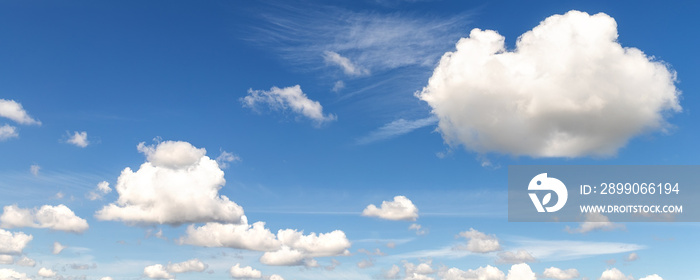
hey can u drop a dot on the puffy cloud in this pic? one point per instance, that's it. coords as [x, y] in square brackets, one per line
[107, 278]
[193, 265]
[416, 276]
[7, 131]
[479, 242]
[559, 274]
[287, 247]
[291, 98]
[157, 271]
[177, 184]
[276, 277]
[423, 268]
[12, 110]
[9, 274]
[239, 272]
[46, 273]
[482, 273]
[652, 277]
[392, 273]
[396, 128]
[568, 89]
[400, 209]
[34, 169]
[24, 261]
[58, 217]
[240, 236]
[595, 221]
[521, 272]
[283, 256]
[631, 257]
[58, 248]
[612, 274]
[344, 63]
[101, 190]
[79, 138]
[13, 243]
[7, 259]
[521, 256]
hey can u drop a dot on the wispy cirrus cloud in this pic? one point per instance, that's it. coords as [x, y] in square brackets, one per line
[396, 128]
[359, 42]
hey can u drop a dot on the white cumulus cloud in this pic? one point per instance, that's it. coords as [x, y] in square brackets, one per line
[7, 259]
[157, 271]
[401, 208]
[560, 274]
[245, 272]
[193, 265]
[99, 192]
[46, 273]
[13, 243]
[24, 261]
[612, 274]
[521, 272]
[652, 277]
[482, 273]
[14, 111]
[10, 274]
[289, 98]
[79, 138]
[177, 184]
[287, 247]
[58, 217]
[568, 89]
[7, 131]
[479, 242]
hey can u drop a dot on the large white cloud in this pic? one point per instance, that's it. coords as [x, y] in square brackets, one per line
[177, 184]
[652, 277]
[12, 110]
[289, 98]
[479, 242]
[58, 217]
[10, 274]
[400, 209]
[13, 243]
[239, 272]
[287, 247]
[482, 273]
[521, 272]
[560, 274]
[568, 89]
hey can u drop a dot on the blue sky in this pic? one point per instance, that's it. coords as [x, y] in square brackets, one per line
[312, 111]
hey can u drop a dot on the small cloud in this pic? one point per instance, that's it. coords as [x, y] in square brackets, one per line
[12, 110]
[365, 263]
[289, 98]
[78, 139]
[7, 131]
[339, 85]
[225, 158]
[560, 274]
[479, 242]
[344, 63]
[593, 222]
[58, 248]
[58, 217]
[99, 192]
[34, 169]
[419, 229]
[46, 273]
[632, 257]
[400, 209]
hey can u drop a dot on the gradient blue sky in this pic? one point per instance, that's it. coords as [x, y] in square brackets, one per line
[127, 72]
